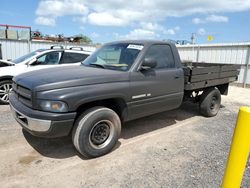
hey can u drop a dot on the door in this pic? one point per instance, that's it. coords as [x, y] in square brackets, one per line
[50, 58]
[158, 89]
[46, 60]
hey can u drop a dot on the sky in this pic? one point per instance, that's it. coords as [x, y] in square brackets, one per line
[110, 20]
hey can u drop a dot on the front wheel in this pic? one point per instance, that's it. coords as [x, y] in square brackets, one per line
[210, 102]
[96, 132]
[5, 88]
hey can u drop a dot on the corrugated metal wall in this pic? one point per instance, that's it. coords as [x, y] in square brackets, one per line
[12, 49]
[234, 53]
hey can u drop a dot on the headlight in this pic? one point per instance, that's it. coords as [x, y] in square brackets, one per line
[53, 106]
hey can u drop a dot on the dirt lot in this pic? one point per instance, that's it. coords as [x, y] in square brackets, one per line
[172, 149]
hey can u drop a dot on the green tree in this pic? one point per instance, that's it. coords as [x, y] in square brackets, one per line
[82, 39]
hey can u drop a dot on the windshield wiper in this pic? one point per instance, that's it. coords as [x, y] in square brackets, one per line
[97, 65]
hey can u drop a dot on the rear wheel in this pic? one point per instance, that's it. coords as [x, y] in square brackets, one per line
[5, 88]
[96, 132]
[210, 102]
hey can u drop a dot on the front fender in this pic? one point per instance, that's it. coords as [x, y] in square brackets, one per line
[77, 96]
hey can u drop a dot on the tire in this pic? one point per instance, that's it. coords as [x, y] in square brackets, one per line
[5, 88]
[96, 132]
[210, 102]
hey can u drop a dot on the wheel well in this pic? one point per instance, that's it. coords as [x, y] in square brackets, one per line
[223, 89]
[116, 104]
[195, 95]
[6, 78]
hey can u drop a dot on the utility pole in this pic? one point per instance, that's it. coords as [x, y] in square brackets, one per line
[193, 37]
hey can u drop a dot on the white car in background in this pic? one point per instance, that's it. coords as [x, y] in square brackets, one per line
[4, 63]
[39, 59]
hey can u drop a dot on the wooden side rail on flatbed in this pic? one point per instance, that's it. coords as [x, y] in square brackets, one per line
[203, 75]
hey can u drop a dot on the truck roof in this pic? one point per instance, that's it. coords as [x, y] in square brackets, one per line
[144, 42]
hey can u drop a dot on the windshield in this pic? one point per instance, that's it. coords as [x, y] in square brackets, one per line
[27, 56]
[114, 56]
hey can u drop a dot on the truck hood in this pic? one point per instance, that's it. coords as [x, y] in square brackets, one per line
[69, 76]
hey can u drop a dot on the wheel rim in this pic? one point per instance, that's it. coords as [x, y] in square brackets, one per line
[101, 134]
[5, 90]
[214, 103]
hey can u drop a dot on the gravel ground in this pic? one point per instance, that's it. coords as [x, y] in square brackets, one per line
[179, 148]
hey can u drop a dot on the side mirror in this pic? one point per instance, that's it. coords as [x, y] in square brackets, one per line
[32, 61]
[148, 63]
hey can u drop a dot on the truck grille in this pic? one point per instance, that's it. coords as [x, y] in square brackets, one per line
[22, 94]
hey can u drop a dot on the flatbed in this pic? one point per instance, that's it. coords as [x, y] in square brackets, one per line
[203, 75]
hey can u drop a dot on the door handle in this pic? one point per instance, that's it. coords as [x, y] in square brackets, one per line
[176, 77]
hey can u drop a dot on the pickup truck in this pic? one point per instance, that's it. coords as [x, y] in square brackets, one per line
[120, 82]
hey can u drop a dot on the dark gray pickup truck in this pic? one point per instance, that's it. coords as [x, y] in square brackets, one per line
[120, 82]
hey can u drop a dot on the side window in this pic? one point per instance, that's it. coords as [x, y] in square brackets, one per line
[51, 58]
[69, 57]
[162, 54]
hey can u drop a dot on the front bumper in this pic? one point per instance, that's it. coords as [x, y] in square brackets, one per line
[39, 123]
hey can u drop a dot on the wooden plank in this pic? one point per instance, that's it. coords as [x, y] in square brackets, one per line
[201, 65]
[229, 74]
[209, 83]
[230, 67]
[212, 76]
[203, 77]
[210, 66]
[204, 64]
[203, 70]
